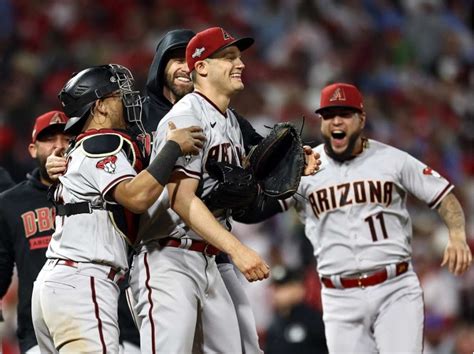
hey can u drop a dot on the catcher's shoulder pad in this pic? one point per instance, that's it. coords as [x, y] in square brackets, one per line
[107, 144]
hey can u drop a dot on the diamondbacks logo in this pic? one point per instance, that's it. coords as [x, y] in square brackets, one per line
[226, 35]
[198, 52]
[56, 119]
[428, 171]
[338, 95]
[108, 164]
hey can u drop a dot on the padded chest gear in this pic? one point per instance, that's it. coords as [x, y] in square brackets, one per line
[106, 144]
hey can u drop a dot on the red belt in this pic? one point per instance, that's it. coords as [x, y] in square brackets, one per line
[364, 280]
[189, 244]
[67, 262]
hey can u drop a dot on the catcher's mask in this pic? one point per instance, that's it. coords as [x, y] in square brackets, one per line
[85, 87]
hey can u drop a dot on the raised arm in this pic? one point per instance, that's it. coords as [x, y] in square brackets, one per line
[197, 216]
[139, 193]
[457, 255]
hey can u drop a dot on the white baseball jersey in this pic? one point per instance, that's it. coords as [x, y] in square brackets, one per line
[90, 237]
[224, 143]
[355, 212]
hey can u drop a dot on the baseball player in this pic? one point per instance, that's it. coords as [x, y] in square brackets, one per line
[168, 81]
[356, 218]
[27, 223]
[175, 276]
[74, 303]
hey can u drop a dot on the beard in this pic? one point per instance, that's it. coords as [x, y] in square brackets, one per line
[179, 91]
[42, 169]
[345, 155]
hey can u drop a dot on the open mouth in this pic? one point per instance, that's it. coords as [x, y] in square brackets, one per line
[338, 138]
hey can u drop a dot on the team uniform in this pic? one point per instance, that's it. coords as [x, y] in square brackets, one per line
[26, 224]
[75, 296]
[174, 277]
[356, 218]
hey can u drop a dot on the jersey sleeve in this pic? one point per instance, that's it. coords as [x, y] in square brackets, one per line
[189, 165]
[104, 173]
[423, 182]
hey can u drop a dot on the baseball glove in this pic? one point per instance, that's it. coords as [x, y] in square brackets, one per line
[278, 161]
[236, 188]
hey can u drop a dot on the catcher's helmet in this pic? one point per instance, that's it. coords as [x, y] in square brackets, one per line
[85, 87]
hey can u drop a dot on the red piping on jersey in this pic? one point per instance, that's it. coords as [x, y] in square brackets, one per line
[211, 103]
[150, 300]
[188, 172]
[97, 316]
[440, 196]
[114, 182]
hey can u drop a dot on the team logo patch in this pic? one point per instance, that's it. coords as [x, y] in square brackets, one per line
[226, 35]
[108, 164]
[428, 171]
[198, 52]
[338, 95]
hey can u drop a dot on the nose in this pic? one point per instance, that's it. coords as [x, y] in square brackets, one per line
[337, 120]
[239, 63]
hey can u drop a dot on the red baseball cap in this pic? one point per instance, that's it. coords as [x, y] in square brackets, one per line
[46, 121]
[209, 41]
[341, 95]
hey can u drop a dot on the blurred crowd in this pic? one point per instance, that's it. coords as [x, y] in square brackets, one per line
[413, 60]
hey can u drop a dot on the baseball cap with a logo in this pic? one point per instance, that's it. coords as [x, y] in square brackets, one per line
[209, 41]
[341, 95]
[48, 121]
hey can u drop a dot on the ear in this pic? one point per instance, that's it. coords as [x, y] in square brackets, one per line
[201, 67]
[362, 117]
[33, 150]
[100, 106]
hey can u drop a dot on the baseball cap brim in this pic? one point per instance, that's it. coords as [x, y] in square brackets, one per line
[330, 108]
[241, 43]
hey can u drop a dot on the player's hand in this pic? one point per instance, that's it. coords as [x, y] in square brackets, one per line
[190, 139]
[457, 255]
[312, 161]
[56, 164]
[252, 266]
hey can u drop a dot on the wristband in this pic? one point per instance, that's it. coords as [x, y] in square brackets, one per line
[162, 165]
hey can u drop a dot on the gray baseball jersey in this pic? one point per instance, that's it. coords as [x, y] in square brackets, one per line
[91, 237]
[355, 212]
[175, 285]
[224, 143]
[356, 218]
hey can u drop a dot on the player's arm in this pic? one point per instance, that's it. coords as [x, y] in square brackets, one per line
[457, 255]
[197, 216]
[139, 193]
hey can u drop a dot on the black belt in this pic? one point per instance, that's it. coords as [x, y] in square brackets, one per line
[79, 208]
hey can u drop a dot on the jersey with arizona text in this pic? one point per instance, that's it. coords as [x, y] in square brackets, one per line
[355, 212]
[92, 237]
[224, 143]
[26, 226]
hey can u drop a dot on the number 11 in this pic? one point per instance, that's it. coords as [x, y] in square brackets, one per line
[371, 222]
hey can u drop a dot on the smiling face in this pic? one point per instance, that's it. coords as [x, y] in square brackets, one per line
[177, 80]
[341, 129]
[225, 70]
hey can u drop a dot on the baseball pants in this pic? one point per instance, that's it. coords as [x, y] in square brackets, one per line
[75, 309]
[385, 318]
[177, 291]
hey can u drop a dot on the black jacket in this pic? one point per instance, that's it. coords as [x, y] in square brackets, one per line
[302, 332]
[5, 180]
[26, 226]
